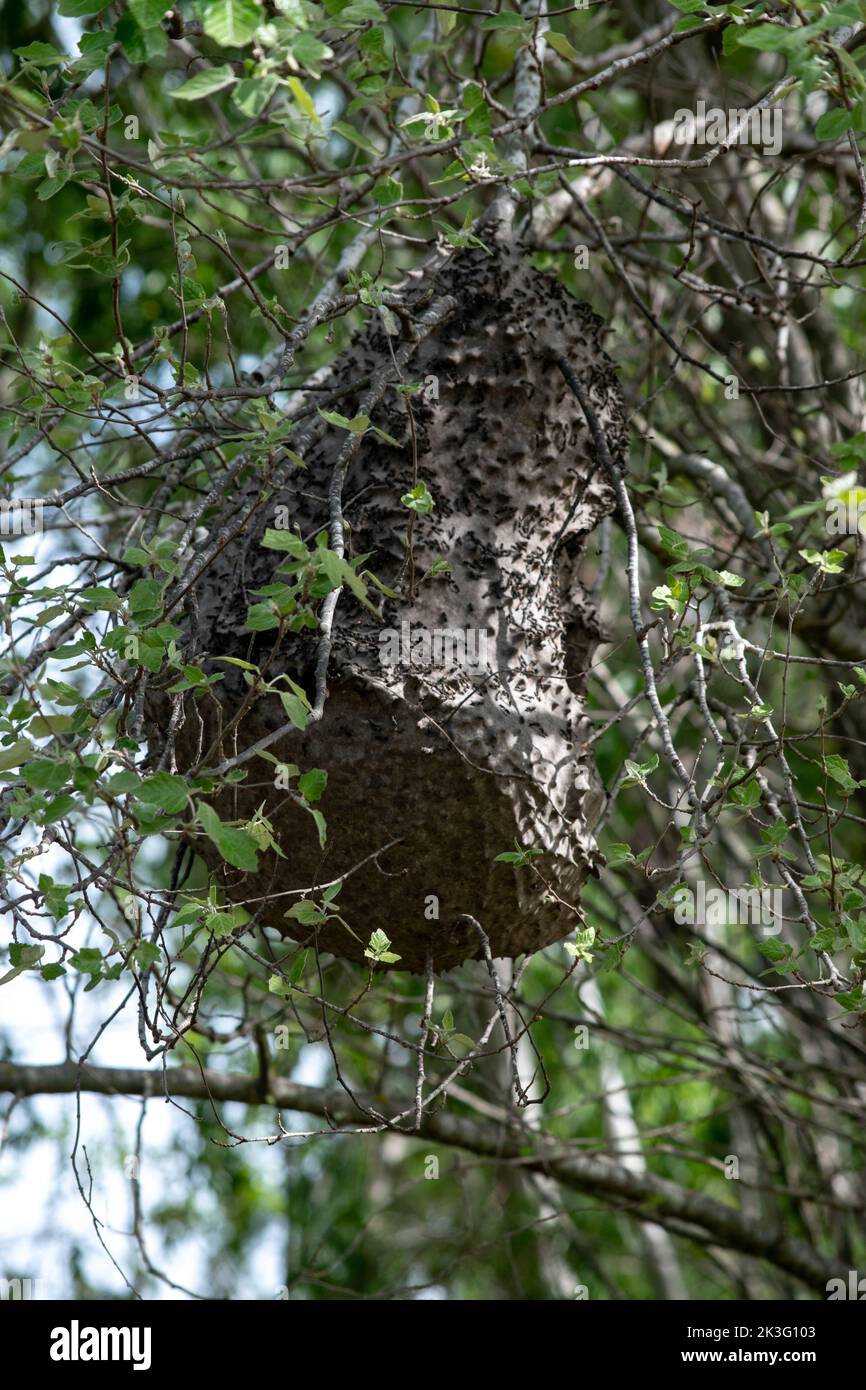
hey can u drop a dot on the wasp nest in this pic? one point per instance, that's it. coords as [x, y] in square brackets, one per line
[454, 725]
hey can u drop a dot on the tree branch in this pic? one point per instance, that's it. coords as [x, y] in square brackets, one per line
[644, 1195]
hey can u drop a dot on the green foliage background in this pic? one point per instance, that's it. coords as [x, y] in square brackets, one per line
[225, 205]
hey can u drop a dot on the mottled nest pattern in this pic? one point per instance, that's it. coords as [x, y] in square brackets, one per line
[452, 763]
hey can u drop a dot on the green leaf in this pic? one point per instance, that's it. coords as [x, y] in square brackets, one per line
[418, 500]
[42, 55]
[518, 855]
[357, 11]
[287, 541]
[673, 543]
[355, 137]
[339, 571]
[232, 23]
[770, 37]
[190, 912]
[22, 958]
[296, 708]
[222, 924]
[236, 661]
[147, 13]
[59, 808]
[637, 773]
[299, 965]
[746, 793]
[507, 19]
[56, 895]
[123, 781]
[833, 124]
[304, 100]
[212, 80]
[74, 9]
[49, 187]
[146, 955]
[151, 651]
[253, 94]
[378, 949]
[445, 20]
[95, 45]
[261, 617]
[306, 913]
[333, 417]
[236, 846]
[21, 751]
[310, 52]
[311, 784]
[857, 934]
[46, 775]
[101, 597]
[388, 438]
[823, 940]
[165, 791]
[774, 950]
[47, 725]
[88, 961]
[562, 46]
[852, 1000]
[580, 947]
[387, 190]
[321, 826]
[774, 834]
[145, 596]
[141, 45]
[618, 854]
[838, 769]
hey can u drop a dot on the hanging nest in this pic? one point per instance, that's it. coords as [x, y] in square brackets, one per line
[454, 725]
